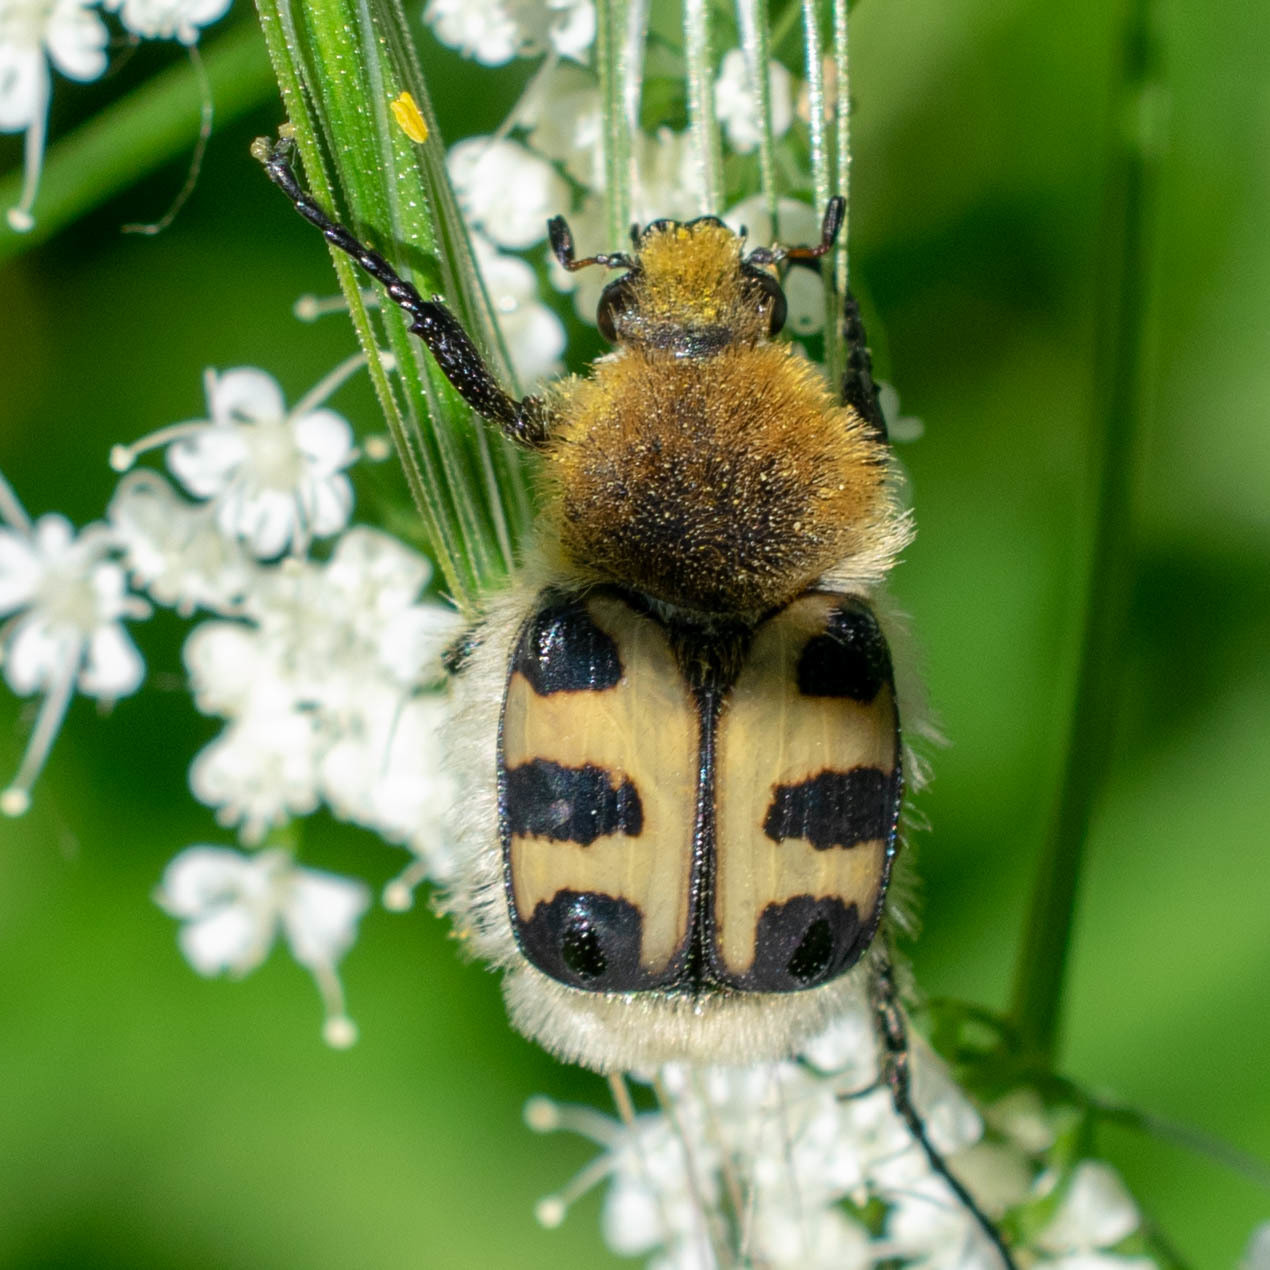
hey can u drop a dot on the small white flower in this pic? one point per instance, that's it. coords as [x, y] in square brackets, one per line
[949, 1116]
[736, 102]
[71, 599]
[390, 775]
[533, 334]
[484, 169]
[847, 1048]
[1257, 1254]
[227, 662]
[495, 31]
[1022, 1117]
[175, 551]
[234, 905]
[167, 19]
[262, 769]
[562, 111]
[275, 477]
[66, 599]
[653, 1200]
[33, 33]
[898, 427]
[482, 29]
[933, 1230]
[1095, 1214]
[570, 25]
[825, 1239]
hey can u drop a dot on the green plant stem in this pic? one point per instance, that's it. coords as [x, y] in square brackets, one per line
[756, 43]
[340, 64]
[701, 115]
[842, 141]
[612, 17]
[1119, 393]
[822, 181]
[138, 134]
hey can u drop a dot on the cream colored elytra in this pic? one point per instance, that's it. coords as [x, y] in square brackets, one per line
[711, 470]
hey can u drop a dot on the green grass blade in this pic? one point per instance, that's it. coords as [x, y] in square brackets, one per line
[1119, 391]
[340, 65]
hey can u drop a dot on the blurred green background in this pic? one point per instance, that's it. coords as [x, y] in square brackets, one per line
[149, 1118]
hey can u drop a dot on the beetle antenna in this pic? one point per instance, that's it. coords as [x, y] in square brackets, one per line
[835, 209]
[562, 244]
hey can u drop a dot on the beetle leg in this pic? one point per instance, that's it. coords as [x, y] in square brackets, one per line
[525, 420]
[892, 1033]
[858, 388]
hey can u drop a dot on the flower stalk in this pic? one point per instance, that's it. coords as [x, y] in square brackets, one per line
[615, 67]
[699, 66]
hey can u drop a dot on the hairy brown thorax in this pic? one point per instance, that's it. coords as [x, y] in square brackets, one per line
[724, 483]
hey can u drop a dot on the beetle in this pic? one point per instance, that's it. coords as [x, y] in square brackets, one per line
[679, 725]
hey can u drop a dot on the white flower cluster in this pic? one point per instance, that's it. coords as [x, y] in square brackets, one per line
[318, 685]
[783, 1165]
[324, 670]
[65, 597]
[233, 906]
[495, 31]
[483, 169]
[560, 119]
[37, 36]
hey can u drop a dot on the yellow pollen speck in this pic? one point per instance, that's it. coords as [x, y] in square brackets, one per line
[405, 110]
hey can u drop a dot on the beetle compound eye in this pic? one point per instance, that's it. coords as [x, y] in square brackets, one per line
[768, 295]
[617, 299]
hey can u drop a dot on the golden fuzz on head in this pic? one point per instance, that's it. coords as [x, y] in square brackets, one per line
[725, 485]
[692, 274]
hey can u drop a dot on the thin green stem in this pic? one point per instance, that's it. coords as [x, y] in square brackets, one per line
[138, 134]
[701, 114]
[1119, 386]
[610, 42]
[842, 146]
[813, 69]
[756, 45]
[822, 179]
